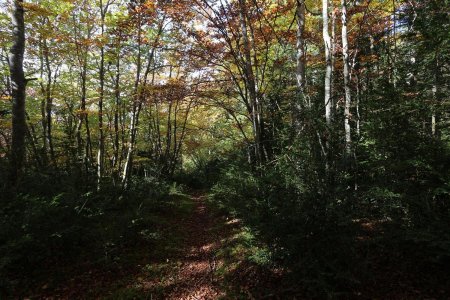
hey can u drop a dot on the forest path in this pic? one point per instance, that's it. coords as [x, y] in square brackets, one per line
[190, 273]
[191, 252]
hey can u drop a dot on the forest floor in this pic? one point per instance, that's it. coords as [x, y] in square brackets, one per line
[196, 252]
[201, 254]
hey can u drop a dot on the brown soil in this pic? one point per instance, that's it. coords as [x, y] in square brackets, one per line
[193, 276]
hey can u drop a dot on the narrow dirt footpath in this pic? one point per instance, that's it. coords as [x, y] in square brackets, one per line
[197, 255]
[191, 276]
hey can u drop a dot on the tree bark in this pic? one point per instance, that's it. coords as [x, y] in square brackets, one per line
[84, 118]
[136, 98]
[47, 102]
[18, 84]
[435, 107]
[101, 140]
[333, 107]
[117, 112]
[44, 150]
[251, 85]
[348, 99]
[82, 49]
[301, 61]
[328, 64]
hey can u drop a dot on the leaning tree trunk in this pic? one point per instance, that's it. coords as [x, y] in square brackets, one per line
[18, 84]
[138, 98]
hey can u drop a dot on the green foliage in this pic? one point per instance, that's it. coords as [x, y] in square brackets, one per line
[297, 223]
[46, 227]
[399, 186]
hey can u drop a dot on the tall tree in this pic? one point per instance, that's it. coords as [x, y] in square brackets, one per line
[18, 86]
[251, 84]
[348, 99]
[328, 63]
[83, 28]
[101, 139]
[141, 80]
[136, 106]
[301, 62]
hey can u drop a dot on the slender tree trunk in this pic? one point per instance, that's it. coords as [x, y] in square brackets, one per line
[139, 97]
[166, 156]
[31, 135]
[43, 103]
[117, 114]
[436, 98]
[49, 103]
[18, 84]
[82, 57]
[251, 85]
[394, 54]
[328, 65]
[333, 61]
[136, 98]
[132, 140]
[101, 140]
[84, 118]
[358, 114]
[348, 99]
[301, 61]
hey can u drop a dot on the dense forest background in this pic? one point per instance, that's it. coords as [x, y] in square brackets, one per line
[323, 127]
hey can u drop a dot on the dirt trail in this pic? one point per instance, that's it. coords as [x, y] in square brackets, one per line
[192, 277]
[182, 265]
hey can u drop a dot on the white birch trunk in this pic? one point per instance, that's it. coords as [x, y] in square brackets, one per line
[328, 66]
[348, 100]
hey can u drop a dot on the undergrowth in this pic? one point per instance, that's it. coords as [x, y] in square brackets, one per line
[53, 227]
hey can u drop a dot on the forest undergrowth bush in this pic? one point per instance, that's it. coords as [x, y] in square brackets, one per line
[55, 223]
[298, 225]
[331, 239]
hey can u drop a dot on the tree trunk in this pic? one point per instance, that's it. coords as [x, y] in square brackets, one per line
[135, 113]
[18, 84]
[251, 85]
[82, 50]
[84, 118]
[333, 107]
[348, 99]
[301, 61]
[101, 140]
[44, 89]
[435, 107]
[116, 113]
[138, 98]
[328, 65]
[47, 103]
[31, 135]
